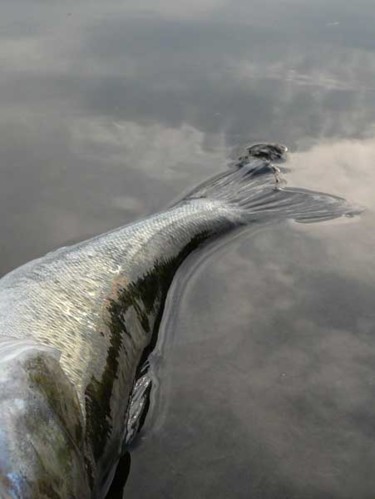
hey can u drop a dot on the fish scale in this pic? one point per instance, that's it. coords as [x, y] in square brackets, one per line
[75, 281]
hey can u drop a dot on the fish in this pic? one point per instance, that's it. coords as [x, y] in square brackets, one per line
[78, 324]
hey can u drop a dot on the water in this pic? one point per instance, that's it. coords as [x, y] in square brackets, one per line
[108, 112]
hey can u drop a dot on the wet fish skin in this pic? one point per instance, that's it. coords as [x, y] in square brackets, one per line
[105, 298]
[97, 306]
[41, 437]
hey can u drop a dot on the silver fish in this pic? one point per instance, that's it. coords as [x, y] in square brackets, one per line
[77, 324]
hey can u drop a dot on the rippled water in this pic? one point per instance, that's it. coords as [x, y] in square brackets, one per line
[109, 110]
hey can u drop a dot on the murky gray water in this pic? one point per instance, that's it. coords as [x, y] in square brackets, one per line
[109, 110]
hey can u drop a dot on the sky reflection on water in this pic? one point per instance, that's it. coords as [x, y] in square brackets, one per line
[108, 112]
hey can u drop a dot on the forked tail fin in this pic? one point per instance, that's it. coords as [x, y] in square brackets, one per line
[255, 189]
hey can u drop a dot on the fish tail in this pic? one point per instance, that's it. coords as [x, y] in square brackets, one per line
[256, 189]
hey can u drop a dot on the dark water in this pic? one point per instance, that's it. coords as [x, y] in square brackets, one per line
[108, 110]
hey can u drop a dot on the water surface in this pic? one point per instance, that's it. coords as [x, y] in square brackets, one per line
[109, 110]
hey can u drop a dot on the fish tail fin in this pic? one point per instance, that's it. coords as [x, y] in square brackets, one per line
[255, 189]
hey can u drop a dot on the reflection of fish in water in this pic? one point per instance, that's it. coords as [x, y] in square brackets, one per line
[77, 324]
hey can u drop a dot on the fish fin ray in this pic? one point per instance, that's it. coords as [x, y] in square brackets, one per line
[255, 189]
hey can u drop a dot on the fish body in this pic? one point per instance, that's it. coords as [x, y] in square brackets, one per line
[77, 324]
[98, 303]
